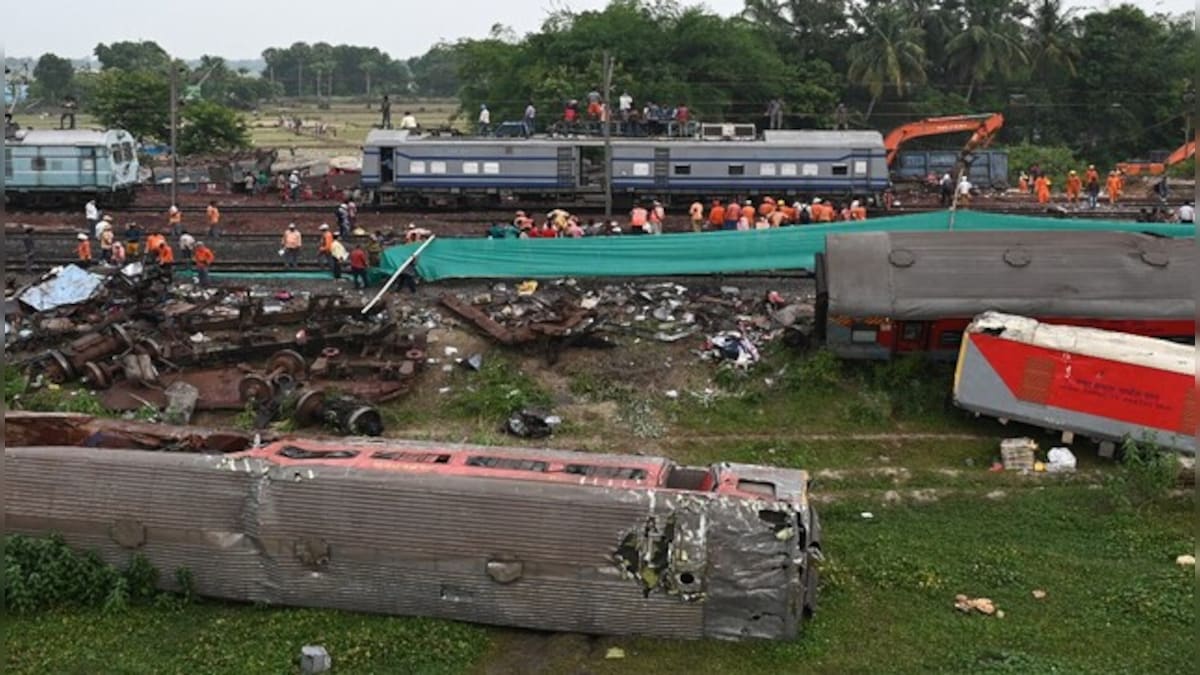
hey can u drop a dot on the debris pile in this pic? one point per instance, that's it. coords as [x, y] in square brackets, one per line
[141, 341]
[564, 313]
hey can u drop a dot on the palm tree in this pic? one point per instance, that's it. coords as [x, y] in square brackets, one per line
[989, 45]
[890, 54]
[1051, 40]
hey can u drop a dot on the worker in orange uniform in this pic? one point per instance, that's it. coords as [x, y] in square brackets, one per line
[1092, 174]
[153, 241]
[1042, 185]
[1074, 186]
[733, 213]
[748, 211]
[1120, 183]
[716, 215]
[83, 250]
[767, 207]
[204, 259]
[213, 215]
[1113, 187]
[175, 220]
[325, 248]
[166, 258]
[857, 211]
[1023, 183]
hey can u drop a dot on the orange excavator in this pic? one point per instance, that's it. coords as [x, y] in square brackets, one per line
[1182, 153]
[983, 128]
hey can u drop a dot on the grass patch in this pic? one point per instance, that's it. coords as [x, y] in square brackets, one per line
[496, 391]
[50, 397]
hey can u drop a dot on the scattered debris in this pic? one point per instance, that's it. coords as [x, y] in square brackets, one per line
[314, 659]
[181, 402]
[982, 605]
[70, 285]
[1186, 560]
[614, 653]
[531, 423]
[1039, 594]
[731, 346]
[866, 515]
[1017, 454]
[527, 287]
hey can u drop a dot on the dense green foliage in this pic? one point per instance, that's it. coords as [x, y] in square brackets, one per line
[209, 127]
[53, 76]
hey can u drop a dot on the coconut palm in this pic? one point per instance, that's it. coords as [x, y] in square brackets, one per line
[890, 53]
[1051, 39]
[989, 45]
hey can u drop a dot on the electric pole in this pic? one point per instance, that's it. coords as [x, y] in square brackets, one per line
[174, 131]
[607, 122]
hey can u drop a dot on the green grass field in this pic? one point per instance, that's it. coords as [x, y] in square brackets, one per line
[942, 525]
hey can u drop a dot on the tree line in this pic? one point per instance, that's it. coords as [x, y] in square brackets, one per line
[1101, 85]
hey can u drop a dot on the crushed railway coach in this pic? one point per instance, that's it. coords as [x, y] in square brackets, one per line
[547, 540]
[399, 167]
[881, 294]
[1101, 384]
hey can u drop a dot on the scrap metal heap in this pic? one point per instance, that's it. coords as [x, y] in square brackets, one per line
[540, 539]
[140, 341]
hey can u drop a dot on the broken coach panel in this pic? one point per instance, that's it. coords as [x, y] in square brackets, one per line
[549, 540]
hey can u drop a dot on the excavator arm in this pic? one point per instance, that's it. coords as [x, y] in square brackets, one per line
[1182, 153]
[983, 127]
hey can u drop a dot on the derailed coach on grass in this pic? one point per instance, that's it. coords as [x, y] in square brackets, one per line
[48, 167]
[1102, 384]
[404, 168]
[547, 540]
[880, 294]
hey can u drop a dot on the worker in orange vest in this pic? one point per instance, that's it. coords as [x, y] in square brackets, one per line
[857, 211]
[1041, 185]
[1074, 186]
[1114, 187]
[325, 248]
[204, 258]
[716, 215]
[83, 250]
[1120, 183]
[1023, 183]
[1092, 174]
[153, 241]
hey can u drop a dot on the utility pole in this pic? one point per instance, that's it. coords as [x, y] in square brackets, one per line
[174, 132]
[608, 172]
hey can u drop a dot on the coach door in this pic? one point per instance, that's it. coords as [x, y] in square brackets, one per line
[911, 336]
[860, 171]
[662, 168]
[566, 167]
[87, 165]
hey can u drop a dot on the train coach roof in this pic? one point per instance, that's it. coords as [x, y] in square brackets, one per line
[73, 137]
[1105, 344]
[930, 275]
[824, 139]
[806, 138]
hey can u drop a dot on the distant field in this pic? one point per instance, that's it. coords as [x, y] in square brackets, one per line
[347, 122]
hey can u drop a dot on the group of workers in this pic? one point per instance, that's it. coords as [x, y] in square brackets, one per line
[117, 251]
[1038, 183]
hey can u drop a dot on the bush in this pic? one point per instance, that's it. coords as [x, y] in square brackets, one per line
[1055, 161]
[1147, 473]
[821, 371]
[498, 390]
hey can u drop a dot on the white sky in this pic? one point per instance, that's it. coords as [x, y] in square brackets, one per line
[241, 29]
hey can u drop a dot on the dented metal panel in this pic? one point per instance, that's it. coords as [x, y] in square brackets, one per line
[349, 526]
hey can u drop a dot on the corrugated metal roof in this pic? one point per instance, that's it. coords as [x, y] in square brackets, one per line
[64, 137]
[927, 275]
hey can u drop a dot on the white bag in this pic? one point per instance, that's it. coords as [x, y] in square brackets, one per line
[1060, 460]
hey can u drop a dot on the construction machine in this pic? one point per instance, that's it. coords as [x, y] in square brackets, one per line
[1136, 168]
[983, 127]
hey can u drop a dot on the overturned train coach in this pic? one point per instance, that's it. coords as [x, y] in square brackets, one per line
[882, 294]
[562, 541]
[1101, 384]
[399, 167]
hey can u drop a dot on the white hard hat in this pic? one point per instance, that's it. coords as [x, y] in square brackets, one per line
[323, 227]
[81, 236]
[816, 200]
[291, 226]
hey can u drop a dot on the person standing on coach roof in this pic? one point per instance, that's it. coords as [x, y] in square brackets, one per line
[485, 119]
[386, 109]
[528, 120]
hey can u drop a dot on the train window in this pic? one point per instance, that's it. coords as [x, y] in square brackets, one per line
[766, 169]
[912, 331]
[416, 167]
[641, 169]
[415, 457]
[618, 472]
[737, 169]
[293, 452]
[127, 150]
[860, 167]
[950, 338]
[841, 170]
[683, 169]
[470, 167]
[38, 164]
[787, 169]
[87, 165]
[809, 170]
[510, 463]
[8, 163]
[863, 334]
[491, 167]
[437, 167]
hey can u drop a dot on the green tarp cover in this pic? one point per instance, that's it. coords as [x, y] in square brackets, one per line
[787, 248]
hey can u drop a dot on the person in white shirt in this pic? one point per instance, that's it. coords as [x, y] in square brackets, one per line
[1187, 213]
[91, 213]
[485, 119]
[409, 121]
[964, 191]
[624, 105]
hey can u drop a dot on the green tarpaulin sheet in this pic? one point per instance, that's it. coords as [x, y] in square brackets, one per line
[788, 248]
